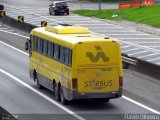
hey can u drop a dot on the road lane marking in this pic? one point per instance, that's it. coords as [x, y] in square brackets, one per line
[128, 34]
[42, 95]
[136, 53]
[140, 38]
[147, 55]
[147, 42]
[95, 25]
[14, 48]
[35, 20]
[10, 30]
[126, 46]
[49, 99]
[137, 45]
[3, 28]
[141, 105]
[17, 34]
[153, 59]
[131, 49]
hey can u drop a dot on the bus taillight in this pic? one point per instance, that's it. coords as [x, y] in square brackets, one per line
[121, 81]
[74, 83]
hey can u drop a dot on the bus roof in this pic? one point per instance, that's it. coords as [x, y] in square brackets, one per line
[68, 35]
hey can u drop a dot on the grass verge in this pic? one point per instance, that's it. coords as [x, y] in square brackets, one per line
[146, 15]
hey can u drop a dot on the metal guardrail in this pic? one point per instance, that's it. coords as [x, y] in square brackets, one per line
[129, 61]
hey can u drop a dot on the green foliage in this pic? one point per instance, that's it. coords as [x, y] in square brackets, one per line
[147, 15]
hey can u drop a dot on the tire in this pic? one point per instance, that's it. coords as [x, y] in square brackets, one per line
[67, 13]
[1, 7]
[54, 13]
[57, 93]
[62, 98]
[50, 12]
[35, 77]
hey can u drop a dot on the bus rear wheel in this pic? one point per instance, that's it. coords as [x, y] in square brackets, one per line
[62, 98]
[57, 92]
[35, 77]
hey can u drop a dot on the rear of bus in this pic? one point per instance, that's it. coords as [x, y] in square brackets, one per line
[97, 70]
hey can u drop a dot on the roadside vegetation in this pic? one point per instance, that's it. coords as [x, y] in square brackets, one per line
[146, 15]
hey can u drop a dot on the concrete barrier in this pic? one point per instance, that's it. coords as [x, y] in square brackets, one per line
[148, 69]
[14, 23]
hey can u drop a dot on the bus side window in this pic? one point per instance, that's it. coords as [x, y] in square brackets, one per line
[68, 57]
[62, 53]
[42, 44]
[56, 51]
[35, 43]
[30, 41]
[50, 49]
[39, 45]
[45, 47]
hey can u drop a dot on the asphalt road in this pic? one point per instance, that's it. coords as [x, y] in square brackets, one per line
[19, 99]
[39, 4]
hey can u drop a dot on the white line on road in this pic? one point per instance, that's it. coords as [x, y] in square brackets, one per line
[25, 7]
[59, 105]
[141, 105]
[126, 46]
[146, 42]
[31, 18]
[140, 38]
[14, 48]
[153, 59]
[35, 20]
[128, 34]
[3, 28]
[17, 34]
[122, 31]
[130, 50]
[10, 30]
[148, 55]
[137, 45]
[136, 53]
[42, 95]
[94, 25]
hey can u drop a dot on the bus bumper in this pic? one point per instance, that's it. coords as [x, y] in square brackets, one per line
[109, 95]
